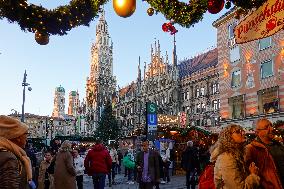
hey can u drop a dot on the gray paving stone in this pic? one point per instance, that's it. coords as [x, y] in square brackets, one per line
[177, 182]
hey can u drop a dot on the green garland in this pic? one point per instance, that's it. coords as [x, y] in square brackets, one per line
[181, 13]
[58, 21]
[188, 14]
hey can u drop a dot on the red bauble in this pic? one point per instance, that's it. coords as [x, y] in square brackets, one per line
[165, 27]
[215, 6]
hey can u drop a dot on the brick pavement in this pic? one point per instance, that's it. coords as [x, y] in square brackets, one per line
[177, 182]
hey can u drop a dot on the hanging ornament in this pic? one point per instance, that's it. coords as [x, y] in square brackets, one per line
[165, 27]
[168, 27]
[237, 15]
[124, 8]
[228, 4]
[150, 11]
[215, 6]
[41, 38]
[240, 12]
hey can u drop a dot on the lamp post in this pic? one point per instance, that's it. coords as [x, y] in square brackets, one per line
[24, 84]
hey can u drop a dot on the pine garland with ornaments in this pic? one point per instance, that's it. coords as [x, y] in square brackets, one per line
[58, 21]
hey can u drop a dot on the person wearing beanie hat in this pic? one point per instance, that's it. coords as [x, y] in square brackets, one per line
[15, 166]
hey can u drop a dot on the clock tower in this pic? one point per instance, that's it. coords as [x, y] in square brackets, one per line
[101, 83]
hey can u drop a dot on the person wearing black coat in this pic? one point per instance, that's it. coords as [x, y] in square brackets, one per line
[190, 163]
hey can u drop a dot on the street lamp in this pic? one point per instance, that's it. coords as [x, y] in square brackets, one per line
[24, 84]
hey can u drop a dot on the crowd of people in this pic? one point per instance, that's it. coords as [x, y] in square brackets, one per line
[236, 163]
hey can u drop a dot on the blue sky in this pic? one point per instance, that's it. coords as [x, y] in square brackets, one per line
[66, 59]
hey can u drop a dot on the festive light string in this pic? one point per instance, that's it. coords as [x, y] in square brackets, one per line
[58, 21]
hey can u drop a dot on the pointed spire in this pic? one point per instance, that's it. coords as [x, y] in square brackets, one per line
[159, 51]
[151, 53]
[174, 52]
[144, 70]
[102, 14]
[167, 58]
[139, 71]
[155, 46]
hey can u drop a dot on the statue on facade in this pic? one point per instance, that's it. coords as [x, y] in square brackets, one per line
[250, 80]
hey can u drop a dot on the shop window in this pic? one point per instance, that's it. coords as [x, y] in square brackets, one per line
[266, 69]
[234, 54]
[236, 78]
[268, 101]
[265, 43]
[237, 105]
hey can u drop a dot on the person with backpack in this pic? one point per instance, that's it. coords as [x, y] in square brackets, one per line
[190, 164]
[230, 169]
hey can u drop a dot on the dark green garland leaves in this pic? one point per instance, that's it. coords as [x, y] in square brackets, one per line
[188, 14]
[58, 21]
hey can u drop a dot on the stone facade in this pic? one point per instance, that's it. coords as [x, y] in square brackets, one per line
[101, 84]
[173, 88]
[251, 75]
[46, 127]
[199, 94]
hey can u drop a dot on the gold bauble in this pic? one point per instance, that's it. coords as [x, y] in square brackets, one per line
[41, 38]
[150, 11]
[124, 8]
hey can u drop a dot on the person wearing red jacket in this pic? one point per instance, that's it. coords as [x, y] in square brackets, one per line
[98, 164]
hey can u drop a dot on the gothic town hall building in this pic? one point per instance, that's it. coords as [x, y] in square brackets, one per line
[191, 86]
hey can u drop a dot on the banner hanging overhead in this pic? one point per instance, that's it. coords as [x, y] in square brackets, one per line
[263, 22]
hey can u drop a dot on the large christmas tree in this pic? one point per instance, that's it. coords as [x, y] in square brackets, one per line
[108, 128]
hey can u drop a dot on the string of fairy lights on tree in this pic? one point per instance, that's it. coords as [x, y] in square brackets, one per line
[44, 22]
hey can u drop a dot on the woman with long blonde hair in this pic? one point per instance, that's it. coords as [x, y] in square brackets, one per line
[230, 171]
